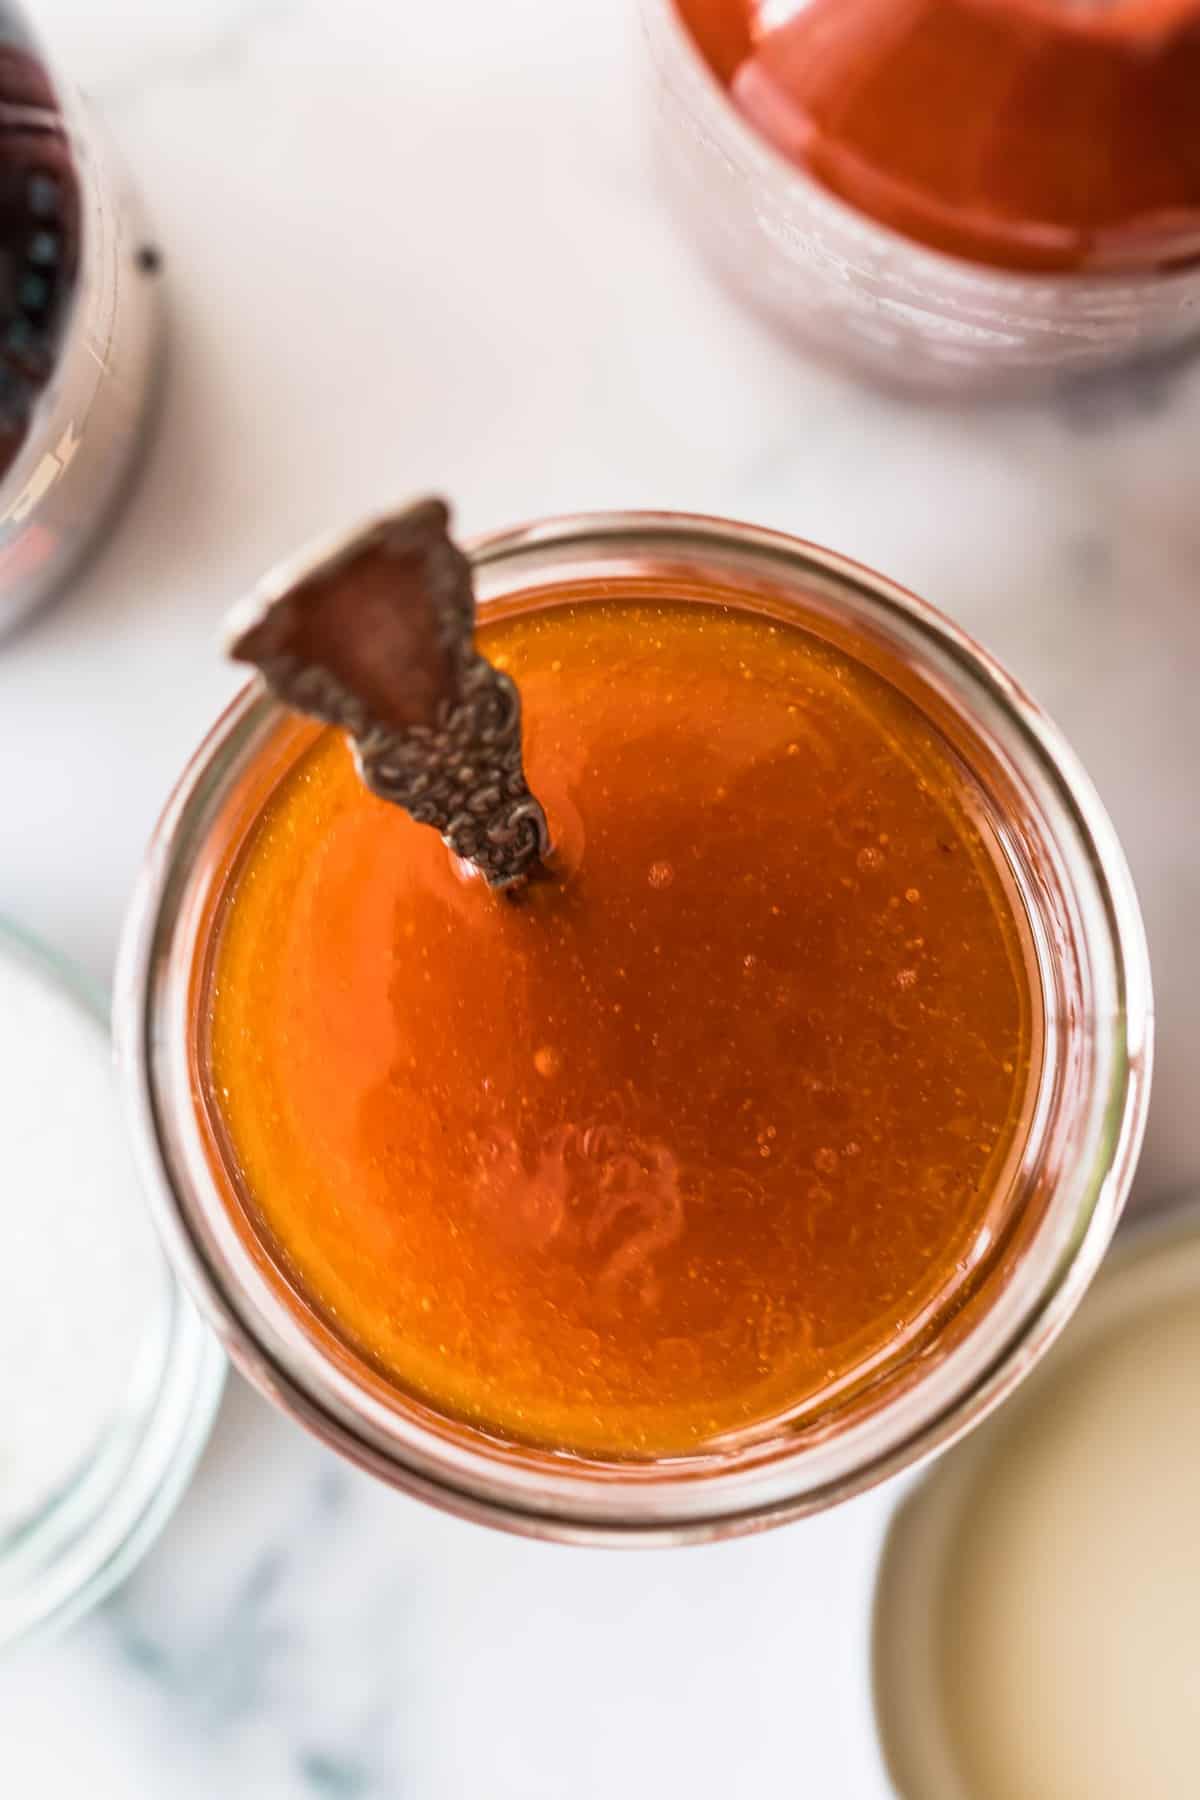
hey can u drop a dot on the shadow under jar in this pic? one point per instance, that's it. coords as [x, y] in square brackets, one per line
[756, 1153]
[944, 193]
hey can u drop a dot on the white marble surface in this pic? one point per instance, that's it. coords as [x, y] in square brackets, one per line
[418, 245]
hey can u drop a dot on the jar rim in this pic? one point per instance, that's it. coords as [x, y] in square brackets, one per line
[546, 1495]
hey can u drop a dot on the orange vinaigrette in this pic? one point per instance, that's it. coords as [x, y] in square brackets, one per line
[696, 1135]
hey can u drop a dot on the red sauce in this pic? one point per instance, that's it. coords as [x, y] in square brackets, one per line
[1027, 134]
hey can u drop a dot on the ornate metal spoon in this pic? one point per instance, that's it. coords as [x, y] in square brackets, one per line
[378, 638]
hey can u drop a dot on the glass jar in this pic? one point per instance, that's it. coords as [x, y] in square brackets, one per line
[905, 256]
[111, 1382]
[960, 1720]
[1063, 1191]
[80, 325]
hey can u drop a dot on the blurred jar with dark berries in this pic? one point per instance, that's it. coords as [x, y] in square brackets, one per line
[79, 324]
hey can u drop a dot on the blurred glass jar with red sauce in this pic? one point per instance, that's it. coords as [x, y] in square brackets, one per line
[953, 192]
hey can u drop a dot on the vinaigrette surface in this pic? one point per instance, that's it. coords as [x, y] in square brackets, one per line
[697, 1131]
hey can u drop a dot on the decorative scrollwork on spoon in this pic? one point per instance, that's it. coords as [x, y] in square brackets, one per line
[378, 638]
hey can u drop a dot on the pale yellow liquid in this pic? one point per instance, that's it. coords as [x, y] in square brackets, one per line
[1062, 1632]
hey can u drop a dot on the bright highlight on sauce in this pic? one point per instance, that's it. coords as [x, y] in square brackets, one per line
[1029, 134]
[698, 1133]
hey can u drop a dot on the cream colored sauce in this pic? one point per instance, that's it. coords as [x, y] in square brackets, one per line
[1061, 1637]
